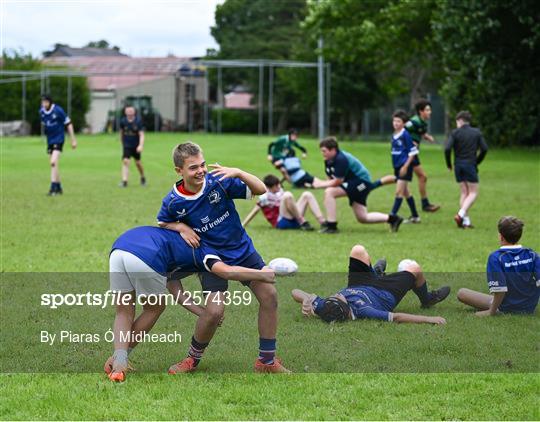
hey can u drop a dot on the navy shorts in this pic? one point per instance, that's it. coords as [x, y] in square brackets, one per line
[408, 177]
[276, 160]
[466, 172]
[287, 223]
[131, 152]
[416, 161]
[305, 179]
[357, 191]
[361, 274]
[54, 147]
[212, 283]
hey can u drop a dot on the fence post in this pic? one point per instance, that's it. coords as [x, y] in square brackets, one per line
[270, 99]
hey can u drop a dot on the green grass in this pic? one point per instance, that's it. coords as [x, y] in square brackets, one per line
[486, 369]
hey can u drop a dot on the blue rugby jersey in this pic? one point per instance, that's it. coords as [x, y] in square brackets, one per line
[366, 302]
[516, 271]
[54, 120]
[402, 148]
[211, 213]
[130, 131]
[294, 168]
[347, 167]
[163, 250]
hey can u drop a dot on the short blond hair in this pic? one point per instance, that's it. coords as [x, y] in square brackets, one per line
[183, 151]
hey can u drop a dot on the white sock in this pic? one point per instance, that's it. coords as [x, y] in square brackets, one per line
[120, 357]
[462, 213]
[466, 220]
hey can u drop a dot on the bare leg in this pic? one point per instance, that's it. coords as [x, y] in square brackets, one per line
[123, 320]
[288, 209]
[307, 199]
[401, 188]
[208, 322]
[422, 180]
[125, 169]
[55, 171]
[140, 167]
[463, 192]
[363, 216]
[266, 294]
[480, 301]
[388, 179]
[330, 195]
[471, 197]
[359, 252]
[146, 320]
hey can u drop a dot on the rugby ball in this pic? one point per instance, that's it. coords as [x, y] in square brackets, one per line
[283, 266]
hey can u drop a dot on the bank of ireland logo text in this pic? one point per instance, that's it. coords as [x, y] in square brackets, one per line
[214, 197]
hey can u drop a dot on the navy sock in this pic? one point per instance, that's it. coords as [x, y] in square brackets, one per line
[58, 186]
[331, 225]
[196, 350]
[267, 350]
[397, 205]
[422, 293]
[53, 186]
[376, 184]
[425, 202]
[412, 206]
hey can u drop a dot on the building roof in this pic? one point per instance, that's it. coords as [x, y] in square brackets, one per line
[66, 51]
[239, 100]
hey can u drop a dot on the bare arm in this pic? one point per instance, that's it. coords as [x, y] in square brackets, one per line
[330, 183]
[417, 319]
[495, 303]
[428, 138]
[234, 272]
[306, 299]
[251, 215]
[185, 231]
[140, 147]
[255, 185]
[72, 135]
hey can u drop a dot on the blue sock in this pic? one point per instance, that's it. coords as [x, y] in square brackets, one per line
[53, 186]
[422, 293]
[376, 184]
[267, 350]
[397, 205]
[412, 206]
[425, 202]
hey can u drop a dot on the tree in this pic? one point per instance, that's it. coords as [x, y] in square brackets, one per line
[491, 56]
[11, 93]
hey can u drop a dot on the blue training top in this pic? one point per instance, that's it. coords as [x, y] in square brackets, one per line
[54, 120]
[402, 148]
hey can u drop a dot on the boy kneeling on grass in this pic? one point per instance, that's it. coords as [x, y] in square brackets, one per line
[513, 276]
[371, 294]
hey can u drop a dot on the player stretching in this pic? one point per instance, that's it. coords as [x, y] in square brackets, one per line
[373, 296]
[55, 120]
[417, 127]
[347, 176]
[466, 141]
[132, 138]
[204, 202]
[281, 148]
[140, 262]
[281, 210]
[513, 276]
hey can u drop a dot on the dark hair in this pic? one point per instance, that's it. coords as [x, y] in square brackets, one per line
[47, 97]
[292, 131]
[421, 105]
[334, 309]
[511, 228]
[401, 114]
[270, 181]
[330, 142]
[464, 115]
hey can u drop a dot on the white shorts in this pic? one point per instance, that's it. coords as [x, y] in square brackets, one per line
[128, 272]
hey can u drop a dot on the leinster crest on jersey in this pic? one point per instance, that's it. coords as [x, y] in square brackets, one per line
[214, 197]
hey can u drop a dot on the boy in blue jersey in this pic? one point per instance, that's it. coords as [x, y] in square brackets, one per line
[347, 176]
[141, 262]
[373, 296]
[417, 126]
[513, 276]
[403, 153]
[132, 138]
[201, 205]
[55, 121]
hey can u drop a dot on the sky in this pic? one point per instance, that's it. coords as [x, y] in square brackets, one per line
[139, 28]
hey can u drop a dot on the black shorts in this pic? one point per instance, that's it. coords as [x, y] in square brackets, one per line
[131, 152]
[416, 161]
[280, 165]
[54, 147]
[357, 191]
[408, 177]
[466, 172]
[361, 274]
[305, 179]
[213, 283]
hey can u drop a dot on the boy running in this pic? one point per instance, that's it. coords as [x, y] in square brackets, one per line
[347, 176]
[132, 138]
[403, 153]
[281, 210]
[55, 121]
[372, 296]
[417, 127]
[140, 263]
[513, 276]
[201, 204]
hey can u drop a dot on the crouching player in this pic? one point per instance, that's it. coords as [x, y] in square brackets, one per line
[203, 202]
[139, 263]
[373, 296]
[513, 276]
[281, 210]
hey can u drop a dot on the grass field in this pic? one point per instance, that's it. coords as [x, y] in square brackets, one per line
[468, 369]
